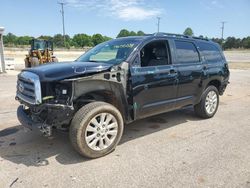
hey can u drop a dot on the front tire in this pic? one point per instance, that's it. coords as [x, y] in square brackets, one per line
[209, 103]
[96, 129]
[34, 62]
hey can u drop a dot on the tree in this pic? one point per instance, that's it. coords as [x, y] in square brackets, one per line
[231, 42]
[132, 33]
[123, 33]
[246, 42]
[105, 38]
[188, 31]
[45, 37]
[217, 40]
[58, 40]
[23, 40]
[140, 33]
[9, 39]
[82, 40]
[97, 39]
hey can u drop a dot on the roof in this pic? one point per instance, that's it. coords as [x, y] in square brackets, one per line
[167, 35]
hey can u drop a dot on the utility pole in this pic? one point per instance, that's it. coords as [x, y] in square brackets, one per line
[62, 12]
[222, 30]
[2, 64]
[158, 24]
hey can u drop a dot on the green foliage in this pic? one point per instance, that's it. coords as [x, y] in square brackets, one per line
[123, 33]
[23, 40]
[97, 39]
[140, 33]
[126, 33]
[132, 33]
[58, 40]
[82, 40]
[217, 40]
[45, 37]
[106, 38]
[188, 31]
[10, 39]
[246, 42]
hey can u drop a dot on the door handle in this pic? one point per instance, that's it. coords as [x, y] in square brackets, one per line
[204, 67]
[172, 71]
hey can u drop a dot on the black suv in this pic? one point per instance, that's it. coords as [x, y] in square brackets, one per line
[118, 82]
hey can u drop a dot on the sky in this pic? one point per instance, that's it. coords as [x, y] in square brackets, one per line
[108, 17]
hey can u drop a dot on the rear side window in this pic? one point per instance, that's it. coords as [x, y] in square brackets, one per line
[210, 52]
[186, 52]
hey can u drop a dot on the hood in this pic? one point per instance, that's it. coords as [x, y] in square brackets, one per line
[63, 70]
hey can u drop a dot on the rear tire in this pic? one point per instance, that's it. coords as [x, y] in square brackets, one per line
[209, 103]
[96, 129]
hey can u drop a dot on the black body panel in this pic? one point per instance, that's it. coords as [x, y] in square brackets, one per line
[137, 91]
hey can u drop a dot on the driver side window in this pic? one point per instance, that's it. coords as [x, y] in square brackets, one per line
[155, 53]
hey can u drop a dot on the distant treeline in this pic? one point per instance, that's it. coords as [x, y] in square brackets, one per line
[233, 43]
[77, 41]
[84, 40]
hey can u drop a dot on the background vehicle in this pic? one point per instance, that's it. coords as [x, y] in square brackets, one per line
[41, 52]
[121, 81]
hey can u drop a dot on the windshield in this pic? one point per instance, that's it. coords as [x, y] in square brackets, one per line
[111, 52]
[39, 45]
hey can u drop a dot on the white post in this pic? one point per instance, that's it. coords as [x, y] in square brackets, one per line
[2, 65]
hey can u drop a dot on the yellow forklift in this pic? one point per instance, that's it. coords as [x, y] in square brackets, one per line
[41, 52]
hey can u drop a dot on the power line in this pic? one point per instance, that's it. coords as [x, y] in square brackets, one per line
[62, 12]
[158, 24]
[222, 29]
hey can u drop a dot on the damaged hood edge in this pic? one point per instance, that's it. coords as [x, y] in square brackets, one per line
[67, 70]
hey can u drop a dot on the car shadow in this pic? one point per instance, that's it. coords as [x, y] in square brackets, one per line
[33, 149]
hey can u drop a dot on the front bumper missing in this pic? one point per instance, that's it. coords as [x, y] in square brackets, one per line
[27, 122]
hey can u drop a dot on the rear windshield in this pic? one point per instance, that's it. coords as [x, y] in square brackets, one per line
[111, 52]
[210, 52]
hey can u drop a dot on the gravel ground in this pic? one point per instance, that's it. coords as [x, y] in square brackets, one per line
[174, 149]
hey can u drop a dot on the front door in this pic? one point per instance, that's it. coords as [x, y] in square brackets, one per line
[154, 81]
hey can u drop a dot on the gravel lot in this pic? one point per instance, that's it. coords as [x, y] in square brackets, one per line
[175, 149]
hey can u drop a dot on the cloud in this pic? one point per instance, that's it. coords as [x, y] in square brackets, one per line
[136, 13]
[128, 10]
[212, 4]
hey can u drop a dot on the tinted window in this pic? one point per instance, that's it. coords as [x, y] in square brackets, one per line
[210, 52]
[155, 53]
[186, 52]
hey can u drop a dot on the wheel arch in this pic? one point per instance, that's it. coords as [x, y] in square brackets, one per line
[109, 92]
[216, 83]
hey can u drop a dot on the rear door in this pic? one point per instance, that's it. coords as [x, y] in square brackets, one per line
[189, 67]
[153, 80]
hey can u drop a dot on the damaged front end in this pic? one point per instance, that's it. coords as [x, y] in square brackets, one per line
[44, 105]
[47, 104]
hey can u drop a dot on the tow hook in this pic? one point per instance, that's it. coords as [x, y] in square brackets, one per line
[46, 130]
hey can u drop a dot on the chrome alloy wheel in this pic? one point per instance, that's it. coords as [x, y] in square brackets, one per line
[101, 131]
[211, 102]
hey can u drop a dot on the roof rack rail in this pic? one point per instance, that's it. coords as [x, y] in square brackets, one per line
[176, 35]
